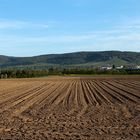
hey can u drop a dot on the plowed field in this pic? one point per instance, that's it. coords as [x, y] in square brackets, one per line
[88, 108]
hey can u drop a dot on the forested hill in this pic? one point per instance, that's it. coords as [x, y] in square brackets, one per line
[77, 58]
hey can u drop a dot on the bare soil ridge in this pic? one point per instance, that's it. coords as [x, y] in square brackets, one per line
[76, 108]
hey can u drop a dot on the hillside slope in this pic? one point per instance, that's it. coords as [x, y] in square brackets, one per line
[77, 58]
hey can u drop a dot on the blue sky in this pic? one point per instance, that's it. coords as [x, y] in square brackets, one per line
[34, 27]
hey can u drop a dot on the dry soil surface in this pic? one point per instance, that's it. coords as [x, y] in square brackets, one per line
[70, 108]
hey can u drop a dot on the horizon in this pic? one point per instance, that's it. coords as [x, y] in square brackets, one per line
[32, 28]
[72, 52]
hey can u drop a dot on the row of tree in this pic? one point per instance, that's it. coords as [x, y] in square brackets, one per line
[29, 73]
[101, 72]
[26, 73]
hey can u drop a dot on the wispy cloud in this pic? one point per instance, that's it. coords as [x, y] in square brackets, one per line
[15, 40]
[98, 37]
[120, 37]
[17, 24]
[95, 39]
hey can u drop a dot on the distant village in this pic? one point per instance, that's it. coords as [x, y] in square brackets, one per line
[137, 67]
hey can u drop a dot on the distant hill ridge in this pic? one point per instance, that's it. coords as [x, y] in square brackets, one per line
[76, 58]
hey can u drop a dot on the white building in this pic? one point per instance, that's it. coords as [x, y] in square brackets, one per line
[106, 68]
[120, 67]
[137, 67]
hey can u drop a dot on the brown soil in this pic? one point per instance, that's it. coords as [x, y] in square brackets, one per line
[70, 108]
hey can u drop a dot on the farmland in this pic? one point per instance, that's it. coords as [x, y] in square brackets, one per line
[70, 108]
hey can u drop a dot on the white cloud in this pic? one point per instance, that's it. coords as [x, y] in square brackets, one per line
[17, 24]
[124, 36]
[44, 40]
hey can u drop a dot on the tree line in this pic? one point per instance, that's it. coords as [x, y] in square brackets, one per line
[30, 73]
[24, 73]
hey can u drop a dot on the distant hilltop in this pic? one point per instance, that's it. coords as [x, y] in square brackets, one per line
[81, 59]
